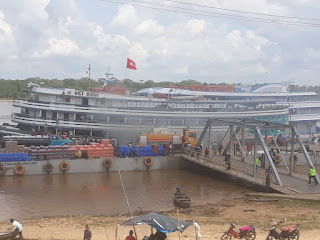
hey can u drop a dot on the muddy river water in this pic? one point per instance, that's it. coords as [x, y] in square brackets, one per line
[101, 193]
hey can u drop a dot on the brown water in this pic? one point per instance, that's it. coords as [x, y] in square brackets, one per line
[101, 193]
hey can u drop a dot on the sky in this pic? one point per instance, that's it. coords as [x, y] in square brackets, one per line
[60, 38]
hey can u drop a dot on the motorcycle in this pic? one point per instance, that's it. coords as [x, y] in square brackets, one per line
[288, 233]
[247, 233]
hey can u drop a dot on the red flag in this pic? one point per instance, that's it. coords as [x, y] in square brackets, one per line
[131, 64]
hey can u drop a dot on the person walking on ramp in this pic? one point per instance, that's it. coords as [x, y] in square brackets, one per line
[312, 175]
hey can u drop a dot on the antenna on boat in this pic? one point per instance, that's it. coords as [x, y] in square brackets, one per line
[265, 80]
[107, 78]
[88, 72]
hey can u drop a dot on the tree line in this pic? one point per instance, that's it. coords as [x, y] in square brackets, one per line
[11, 89]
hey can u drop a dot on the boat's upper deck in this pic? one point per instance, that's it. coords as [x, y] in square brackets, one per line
[72, 97]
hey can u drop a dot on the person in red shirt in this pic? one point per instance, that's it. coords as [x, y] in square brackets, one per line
[206, 152]
[130, 237]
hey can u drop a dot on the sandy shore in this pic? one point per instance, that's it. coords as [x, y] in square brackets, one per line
[214, 219]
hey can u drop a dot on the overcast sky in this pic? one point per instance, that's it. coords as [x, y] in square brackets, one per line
[59, 38]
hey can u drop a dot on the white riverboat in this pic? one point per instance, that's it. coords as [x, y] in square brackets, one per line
[101, 113]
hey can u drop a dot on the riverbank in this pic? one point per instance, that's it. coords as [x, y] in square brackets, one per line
[214, 219]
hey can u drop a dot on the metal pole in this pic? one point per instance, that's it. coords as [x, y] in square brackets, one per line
[231, 140]
[116, 233]
[242, 144]
[209, 142]
[266, 141]
[304, 150]
[267, 155]
[178, 226]
[254, 154]
[242, 150]
[285, 162]
[227, 148]
[225, 135]
[89, 75]
[292, 153]
[309, 131]
[125, 195]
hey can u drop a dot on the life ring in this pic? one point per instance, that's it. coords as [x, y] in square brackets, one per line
[148, 162]
[69, 92]
[107, 163]
[19, 170]
[2, 170]
[64, 166]
[48, 167]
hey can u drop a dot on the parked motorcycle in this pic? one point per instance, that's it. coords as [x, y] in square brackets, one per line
[288, 233]
[247, 233]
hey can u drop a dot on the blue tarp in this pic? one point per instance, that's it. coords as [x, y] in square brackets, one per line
[160, 222]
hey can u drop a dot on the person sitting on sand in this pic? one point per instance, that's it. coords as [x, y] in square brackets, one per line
[130, 237]
[160, 235]
[178, 191]
[17, 227]
[87, 235]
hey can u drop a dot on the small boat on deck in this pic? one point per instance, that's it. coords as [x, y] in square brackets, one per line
[181, 200]
[8, 235]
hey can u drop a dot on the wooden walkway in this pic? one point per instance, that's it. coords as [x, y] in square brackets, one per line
[296, 184]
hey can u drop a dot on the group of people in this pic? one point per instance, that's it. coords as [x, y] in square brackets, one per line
[18, 228]
[34, 131]
[157, 236]
[85, 140]
[87, 235]
[216, 148]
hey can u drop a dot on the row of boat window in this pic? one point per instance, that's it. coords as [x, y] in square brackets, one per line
[144, 120]
[101, 103]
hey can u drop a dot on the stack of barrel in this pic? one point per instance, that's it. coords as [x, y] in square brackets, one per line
[96, 150]
[50, 152]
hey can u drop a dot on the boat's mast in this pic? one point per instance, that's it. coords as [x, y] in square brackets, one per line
[89, 76]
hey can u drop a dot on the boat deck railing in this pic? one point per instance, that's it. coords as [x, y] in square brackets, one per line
[151, 106]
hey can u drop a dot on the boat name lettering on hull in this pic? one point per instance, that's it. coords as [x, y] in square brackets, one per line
[88, 94]
[18, 163]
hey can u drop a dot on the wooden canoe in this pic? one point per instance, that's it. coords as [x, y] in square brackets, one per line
[8, 235]
[181, 200]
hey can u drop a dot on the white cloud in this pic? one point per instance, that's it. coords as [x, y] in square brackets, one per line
[261, 69]
[126, 17]
[164, 45]
[138, 52]
[311, 54]
[196, 26]
[58, 47]
[235, 38]
[149, 28]
[6, 32]
[182, 70]
[277, 59]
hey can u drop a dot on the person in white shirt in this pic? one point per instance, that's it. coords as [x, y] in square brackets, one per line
[17, 227]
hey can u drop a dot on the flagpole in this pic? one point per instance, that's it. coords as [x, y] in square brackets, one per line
[125, 72]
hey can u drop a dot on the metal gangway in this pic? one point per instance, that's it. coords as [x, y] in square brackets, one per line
[241, 165]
